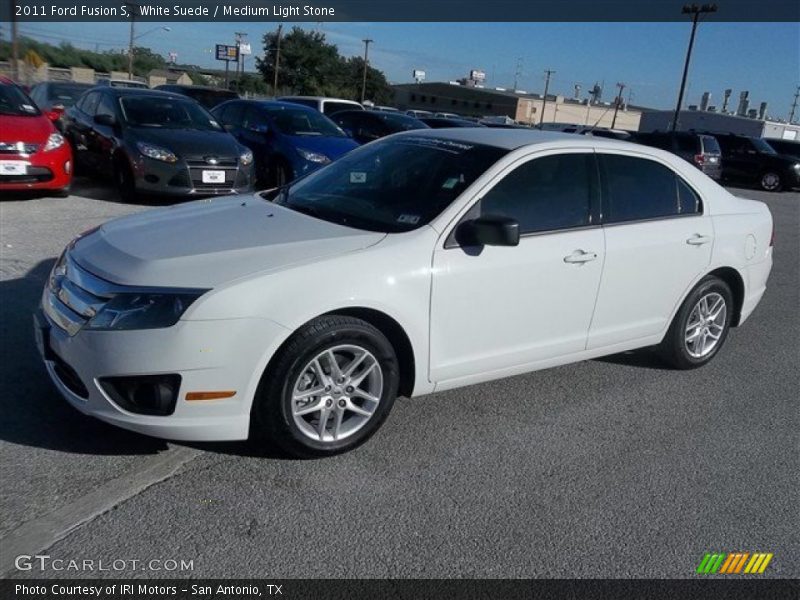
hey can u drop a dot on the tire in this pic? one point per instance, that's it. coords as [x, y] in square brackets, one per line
[123, 176]
[350, 418]
[686, 346]
[771, 182]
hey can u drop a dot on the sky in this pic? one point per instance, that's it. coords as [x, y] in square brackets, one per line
[763, 58]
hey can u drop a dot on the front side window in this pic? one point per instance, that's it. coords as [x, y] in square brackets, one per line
[638, 189]
[14, 102]
[544, 194]
[393, 185]
[300, 121]
[331, 108]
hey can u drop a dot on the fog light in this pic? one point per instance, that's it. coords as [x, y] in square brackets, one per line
[144, 395]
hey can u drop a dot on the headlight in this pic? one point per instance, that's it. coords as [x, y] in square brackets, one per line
[246, 158]
[141, 311]
[156, 152]
[314, 157]
[796, 166]
[56, 140]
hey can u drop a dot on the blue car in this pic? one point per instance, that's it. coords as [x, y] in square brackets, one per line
[287, 140]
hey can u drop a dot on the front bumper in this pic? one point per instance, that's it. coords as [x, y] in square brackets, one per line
[208, 356]
[185, 178]
[50, 170]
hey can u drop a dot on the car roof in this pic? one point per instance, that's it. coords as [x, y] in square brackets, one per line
[141, 92]
[272, 104]
[511, 139]
[180, 86]
[322, 98]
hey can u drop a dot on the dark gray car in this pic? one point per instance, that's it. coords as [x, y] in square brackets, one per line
[702, 150]
[156, 143]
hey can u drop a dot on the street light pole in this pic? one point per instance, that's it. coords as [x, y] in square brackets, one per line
[133, 6]
[695, 11]
[367, 42]
[618, 101]
[547, 73]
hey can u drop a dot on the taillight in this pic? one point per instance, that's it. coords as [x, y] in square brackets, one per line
[699, 159]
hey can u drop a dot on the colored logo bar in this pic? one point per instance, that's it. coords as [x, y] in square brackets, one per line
[734, 563]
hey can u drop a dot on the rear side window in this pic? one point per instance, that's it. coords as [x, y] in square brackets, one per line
[232, 115]
[710, 145]
[89, 103]
[544, 194]
[637, 189]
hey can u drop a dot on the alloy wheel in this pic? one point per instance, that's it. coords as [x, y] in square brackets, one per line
[705, 325]
[337, 393]
[770, 181]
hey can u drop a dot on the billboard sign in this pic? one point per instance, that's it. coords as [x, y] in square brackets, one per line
[227, 53]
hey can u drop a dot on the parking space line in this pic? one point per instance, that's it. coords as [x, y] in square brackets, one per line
[40, 533]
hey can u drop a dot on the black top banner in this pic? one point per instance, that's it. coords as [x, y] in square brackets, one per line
[391, 10]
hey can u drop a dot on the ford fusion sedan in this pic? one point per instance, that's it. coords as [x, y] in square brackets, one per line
[156, 143]
[425, 261]
[288, 140]
[33, 153]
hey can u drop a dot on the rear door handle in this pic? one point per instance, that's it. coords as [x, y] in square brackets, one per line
[579, 256]
[699, 240]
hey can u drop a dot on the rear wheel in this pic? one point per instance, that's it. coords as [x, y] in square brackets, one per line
[771, 182]
[331, 388]
[701, 326]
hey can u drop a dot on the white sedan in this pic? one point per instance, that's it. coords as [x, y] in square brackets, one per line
[425, 261]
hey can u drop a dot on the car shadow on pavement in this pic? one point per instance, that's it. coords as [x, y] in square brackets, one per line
[646, 358]
[34, 414]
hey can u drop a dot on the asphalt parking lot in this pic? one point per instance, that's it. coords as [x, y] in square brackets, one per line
[616, 467]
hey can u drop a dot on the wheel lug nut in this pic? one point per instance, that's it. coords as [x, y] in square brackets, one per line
[327, 388]
[342, 403]
[329, 402]
[349, 389]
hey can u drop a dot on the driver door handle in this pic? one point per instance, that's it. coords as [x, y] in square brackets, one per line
[699, 240]
[579, 256]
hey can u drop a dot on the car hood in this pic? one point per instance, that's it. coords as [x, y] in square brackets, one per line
[332, 147]
[31, 130]
[189, 142]
[206, 243]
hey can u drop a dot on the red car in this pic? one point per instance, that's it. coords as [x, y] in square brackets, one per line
[33, 154]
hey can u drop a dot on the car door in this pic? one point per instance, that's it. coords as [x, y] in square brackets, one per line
[657, 242]
[495, 308]
[255, 133]
[103, 142]
[737, 163]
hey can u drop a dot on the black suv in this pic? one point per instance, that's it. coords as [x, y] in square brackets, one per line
[209, 97]
[752, 160]
[786, 147]
[701, 150]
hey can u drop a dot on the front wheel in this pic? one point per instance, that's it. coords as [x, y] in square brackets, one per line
[771, 182]
[332, 387]
[701, 326]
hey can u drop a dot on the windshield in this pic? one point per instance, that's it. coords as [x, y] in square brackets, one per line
[762, 146]
[300, 121]
[166, 113]
[392, 185]
[65, 94]
[13, 101]
[401, 122]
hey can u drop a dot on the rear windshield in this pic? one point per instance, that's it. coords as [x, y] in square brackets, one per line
[710, 145]
[397, 122]
[14, 102]
[393, 185]
[330, 108]
[209, 98]
[65, 93]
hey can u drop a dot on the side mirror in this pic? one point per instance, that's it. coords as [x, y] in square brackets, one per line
[55, 113]
[489, 230]
[106, 120]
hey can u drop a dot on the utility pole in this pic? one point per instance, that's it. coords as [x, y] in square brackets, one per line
[367, 42]
[518, 73]
[617, 102]
[132, 6]
[794, 103]
[695, 11]
[277, 60]
[14, 47]
[547, 73]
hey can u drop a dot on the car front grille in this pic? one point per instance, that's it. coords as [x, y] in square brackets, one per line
[22, 148]
[33, 175]
[72, 298]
